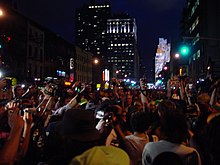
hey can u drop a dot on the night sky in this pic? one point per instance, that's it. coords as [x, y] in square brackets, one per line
[154, 18]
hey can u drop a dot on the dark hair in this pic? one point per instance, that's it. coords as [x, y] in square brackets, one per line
[166, 106]
[213, 139]
[166, 158]
[139, 121]
[174, 128]
[113, 109]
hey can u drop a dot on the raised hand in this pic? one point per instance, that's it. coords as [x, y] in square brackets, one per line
[14, 119]
[28, 119]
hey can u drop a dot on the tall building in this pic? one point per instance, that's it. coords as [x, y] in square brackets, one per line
[200, 30]
[122, 46]
[162, 56]
[91, 25]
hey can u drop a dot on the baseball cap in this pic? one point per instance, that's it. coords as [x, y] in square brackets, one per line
[102, 155]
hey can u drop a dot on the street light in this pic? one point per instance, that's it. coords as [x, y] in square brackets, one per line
[177, 55]
[96, 61]
[1, 13]
[165, 68]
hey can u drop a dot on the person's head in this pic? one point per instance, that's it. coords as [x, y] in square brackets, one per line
[204, 98]
[174, 128]
[129, 99]
[167, 158]
[107, 155]
[166, 107]
[138, 106]
[18, 91]
[78, 131]
[212, 140]
[116, 110]
[152, 106]
[124, 116]
[139, 121]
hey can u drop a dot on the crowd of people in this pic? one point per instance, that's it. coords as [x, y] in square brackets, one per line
[78, 125]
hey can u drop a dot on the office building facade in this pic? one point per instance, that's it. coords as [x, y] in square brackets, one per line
[200, 31]
[122, 47]
[91, 25]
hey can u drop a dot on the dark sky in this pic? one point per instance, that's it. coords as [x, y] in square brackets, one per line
[154, 18]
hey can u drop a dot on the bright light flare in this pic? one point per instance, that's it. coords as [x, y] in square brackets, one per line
[177, 55]
[96, 61]
[1, 12]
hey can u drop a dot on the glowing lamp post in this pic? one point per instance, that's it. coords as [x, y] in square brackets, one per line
[96, 61]
[177, 55]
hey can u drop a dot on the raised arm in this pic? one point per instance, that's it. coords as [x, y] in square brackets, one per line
[9, 151]
[143, 89]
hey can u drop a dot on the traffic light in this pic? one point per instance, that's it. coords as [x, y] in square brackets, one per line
[184, 50]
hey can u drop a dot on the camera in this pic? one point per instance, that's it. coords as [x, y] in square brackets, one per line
[30, 110]
[108, 119]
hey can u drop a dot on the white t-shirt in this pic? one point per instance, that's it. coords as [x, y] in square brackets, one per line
[152, 149]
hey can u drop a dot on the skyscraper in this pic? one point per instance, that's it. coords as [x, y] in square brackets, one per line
[162, 55]
[91, 25]
[122, 46]
[200, 31]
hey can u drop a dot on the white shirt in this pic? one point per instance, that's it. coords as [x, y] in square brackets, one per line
[152, 149]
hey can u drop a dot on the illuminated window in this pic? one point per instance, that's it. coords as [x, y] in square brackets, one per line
[198, 54]
[196, 39]
[194, 57]
[195, 23]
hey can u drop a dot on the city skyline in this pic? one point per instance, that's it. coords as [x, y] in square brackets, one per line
[154, 19]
